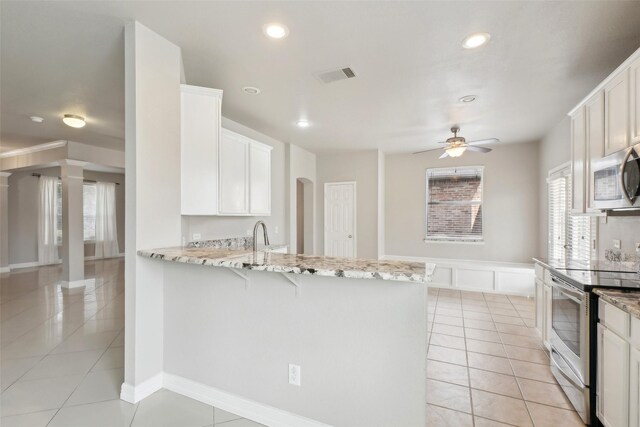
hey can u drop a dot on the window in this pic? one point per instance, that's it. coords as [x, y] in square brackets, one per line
[454, 204]
[88, 212]
[569, 235]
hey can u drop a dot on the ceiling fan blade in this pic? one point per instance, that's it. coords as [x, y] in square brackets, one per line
[445, 154]
[483, 141]
[478, 149]
[426, 151]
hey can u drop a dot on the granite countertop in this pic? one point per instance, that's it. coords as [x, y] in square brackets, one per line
[593, 265]
[265, 260]
[626, 300]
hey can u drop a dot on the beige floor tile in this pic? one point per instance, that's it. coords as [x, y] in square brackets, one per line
[485, 347]
[449, 396]
[516, 329]
[521, 341]
[448, 341]
[456, 331]
[532, 371]
[479, 324]
[112, 358]
[547, 416]
[489, 363]
[34, 419]
[511, 320]
[98, 386]
[483, 422]
[527, 354]
[448, 311]
[38, 395]
[545, 393]
[165, 408]
[220, 416]
[482, 335]
[474, 315]
[500, 408]
[448, 320]
[113, 413]
[443, 417]
[447, 372]
[494, 382]
[449, 355]
[13, 369]
[59, 365]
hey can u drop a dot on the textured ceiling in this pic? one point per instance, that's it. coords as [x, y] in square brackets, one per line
[543, 57]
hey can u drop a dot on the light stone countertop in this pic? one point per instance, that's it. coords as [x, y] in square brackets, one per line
[265, 260]
[626, 300]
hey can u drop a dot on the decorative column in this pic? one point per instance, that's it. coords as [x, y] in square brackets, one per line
[72, 224]
[4, 222]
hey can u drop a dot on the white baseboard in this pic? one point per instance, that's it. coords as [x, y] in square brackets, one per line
[5, 269]
[480, 276]
[240, 406]
[132, 394]
[37, 264]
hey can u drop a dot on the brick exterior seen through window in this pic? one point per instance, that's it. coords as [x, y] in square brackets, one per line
[454, 205]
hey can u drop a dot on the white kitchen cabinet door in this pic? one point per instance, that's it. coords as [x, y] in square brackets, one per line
[199, 140]
[634, 77]
[594, 117]
[260, 179]
[546, 331]
[634, 388]
[234, 174]
[578, 156]
[616, 108]
[613, 368]
[539, 305]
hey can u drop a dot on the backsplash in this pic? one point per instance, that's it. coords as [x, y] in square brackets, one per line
[229, 243]
[623, 228]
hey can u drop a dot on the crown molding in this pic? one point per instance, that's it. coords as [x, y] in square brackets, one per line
[34, 149]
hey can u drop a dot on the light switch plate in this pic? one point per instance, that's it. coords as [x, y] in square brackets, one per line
[294, 374]
[197, 236]
[616, 244]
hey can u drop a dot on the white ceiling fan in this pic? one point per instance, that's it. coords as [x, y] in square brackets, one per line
[457, 145]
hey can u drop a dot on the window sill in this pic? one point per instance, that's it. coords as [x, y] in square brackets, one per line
[455, 241]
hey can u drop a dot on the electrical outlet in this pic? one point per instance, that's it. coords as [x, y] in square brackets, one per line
[294, 374]
[197, 236]
[616, 244]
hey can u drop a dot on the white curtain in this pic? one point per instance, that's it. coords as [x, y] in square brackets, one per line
[106, 227]
[47, 221]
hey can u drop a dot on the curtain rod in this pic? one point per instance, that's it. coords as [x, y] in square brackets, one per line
[84, 180]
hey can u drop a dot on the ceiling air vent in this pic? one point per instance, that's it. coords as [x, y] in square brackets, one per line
[335, 75]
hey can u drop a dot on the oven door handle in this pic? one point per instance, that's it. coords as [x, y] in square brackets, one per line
[567, 290]
[567, 377]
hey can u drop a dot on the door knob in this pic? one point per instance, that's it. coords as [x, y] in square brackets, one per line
[350, 236]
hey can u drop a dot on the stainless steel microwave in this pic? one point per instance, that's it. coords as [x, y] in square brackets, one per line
[615, 180]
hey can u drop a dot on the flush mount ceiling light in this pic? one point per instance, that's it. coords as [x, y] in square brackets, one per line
[468, 98]
[475, 40]
[251, 90]
[275, 31]
[73, 120]
[36, 119]
[303, 123]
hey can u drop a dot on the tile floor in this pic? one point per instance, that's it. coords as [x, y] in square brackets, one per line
[486, 365]
[62, 360]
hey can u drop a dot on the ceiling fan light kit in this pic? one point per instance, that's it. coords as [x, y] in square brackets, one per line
[457, 145]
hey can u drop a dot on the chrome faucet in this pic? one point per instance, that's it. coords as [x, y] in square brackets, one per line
[255, 235]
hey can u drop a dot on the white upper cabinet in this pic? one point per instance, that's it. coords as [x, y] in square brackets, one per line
[260, 179]
[634, 77]
[616, 107]
[245, 176]
[578, 157]
[594, 118]
[199, 139]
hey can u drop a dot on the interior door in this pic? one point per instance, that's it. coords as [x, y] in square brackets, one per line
[340, 219]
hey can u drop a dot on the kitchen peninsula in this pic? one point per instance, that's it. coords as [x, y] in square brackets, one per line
[235, 321]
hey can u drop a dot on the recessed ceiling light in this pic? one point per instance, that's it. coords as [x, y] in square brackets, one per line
[475, 40]
[36, 119]
[468, 98]
[275, 31]
[303, 123]
[251, 90]
[73, 120]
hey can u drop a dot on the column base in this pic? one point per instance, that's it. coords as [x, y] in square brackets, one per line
[77, 283]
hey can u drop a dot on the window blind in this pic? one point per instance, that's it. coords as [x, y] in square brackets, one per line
[569, 235]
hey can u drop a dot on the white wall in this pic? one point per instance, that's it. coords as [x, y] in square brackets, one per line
[363, 168]
[152, 150]
[216, 227]
[510, 205]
